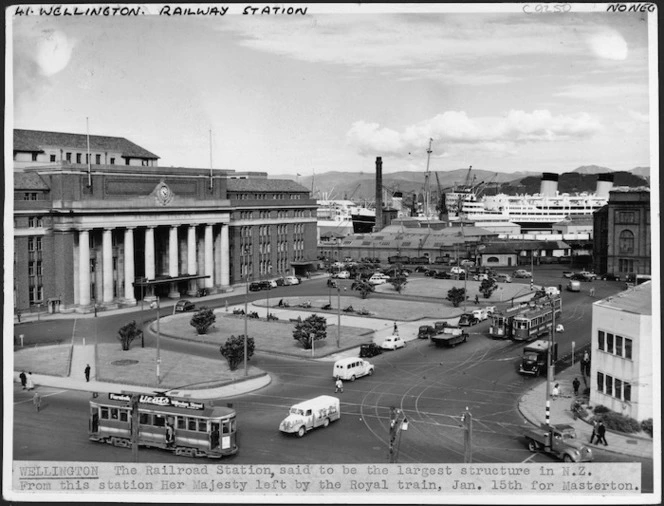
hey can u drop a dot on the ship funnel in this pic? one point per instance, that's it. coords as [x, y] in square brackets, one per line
[604, 185]
[379, 194]
[549, 184]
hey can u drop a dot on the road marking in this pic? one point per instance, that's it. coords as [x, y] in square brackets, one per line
[530, 457]
[42, 396]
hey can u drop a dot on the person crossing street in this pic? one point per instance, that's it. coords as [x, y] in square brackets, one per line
[339, 386]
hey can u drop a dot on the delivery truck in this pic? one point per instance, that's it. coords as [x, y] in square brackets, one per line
[308, 415]
[451, 336]
[533, 360]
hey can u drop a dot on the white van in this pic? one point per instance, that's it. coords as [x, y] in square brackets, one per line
[574, 286]
[481, 314]
[552, 290]
[351, 368]
[307, 415]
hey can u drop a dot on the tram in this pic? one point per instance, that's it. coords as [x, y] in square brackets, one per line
[501, 325]
[182, 426]
[537, 321]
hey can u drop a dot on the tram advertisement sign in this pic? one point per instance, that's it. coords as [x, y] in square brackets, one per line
[158, 400]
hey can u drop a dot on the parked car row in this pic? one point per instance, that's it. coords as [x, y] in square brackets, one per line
[269, 284]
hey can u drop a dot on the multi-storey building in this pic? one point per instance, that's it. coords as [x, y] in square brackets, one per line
[622, 353]
[622, 233]
[109, 234]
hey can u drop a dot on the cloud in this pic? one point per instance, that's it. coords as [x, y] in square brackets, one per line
[601, 92]
[608, 44]
[454, 129]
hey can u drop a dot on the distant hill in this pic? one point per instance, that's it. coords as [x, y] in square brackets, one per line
[592, 169]
[360, 186]
[572, 182]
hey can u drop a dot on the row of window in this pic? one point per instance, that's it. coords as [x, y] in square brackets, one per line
[626, 217]
[621, 390]
[190, 423]
[35, 222]
[263, 215]
[614, 344]
[270, 196]
[625, 265]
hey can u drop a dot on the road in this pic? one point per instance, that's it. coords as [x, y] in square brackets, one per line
[433, 386]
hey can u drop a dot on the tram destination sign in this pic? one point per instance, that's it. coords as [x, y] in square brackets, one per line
[158, 400]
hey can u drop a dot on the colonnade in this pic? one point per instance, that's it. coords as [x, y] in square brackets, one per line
[84, 296]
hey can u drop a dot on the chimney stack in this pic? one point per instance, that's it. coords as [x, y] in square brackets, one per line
[549, 184]
[379, 194]
[604, 185]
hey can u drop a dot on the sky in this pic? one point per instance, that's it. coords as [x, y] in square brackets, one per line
[335, 88]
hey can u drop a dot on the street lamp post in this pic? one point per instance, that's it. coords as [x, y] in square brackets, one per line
[246, 291]
[549, 361]
[269, 271]
[339, 315]
[465, 284]
[157, 306]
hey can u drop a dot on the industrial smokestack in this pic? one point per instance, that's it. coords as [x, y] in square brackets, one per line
[604, 185]
[379, 194]
[549, 184]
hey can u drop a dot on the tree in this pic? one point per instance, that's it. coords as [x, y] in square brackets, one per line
[364, 287]
[456, 296]
[487, 287]
[233, 350]
[399, 282]
[309, 330]
[203, 320]
[128, 333]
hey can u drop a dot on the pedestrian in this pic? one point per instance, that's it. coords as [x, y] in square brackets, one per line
[601, 434]
[396, 329]
[87, 372]
[576, 384]
[23, 378]
[36, 400]
[29, 384]
[592, 292]
[594, 433]
[18, 315]
[477, 299]
[170, 435]
[555, 392]
[339, 386]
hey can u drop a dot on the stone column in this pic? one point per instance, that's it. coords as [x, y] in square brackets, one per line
[209, 258]
[191, 258]
[149, 257]
[129, 273]
[107, 265]
[173, 265]
[225, 257]
[84, 267]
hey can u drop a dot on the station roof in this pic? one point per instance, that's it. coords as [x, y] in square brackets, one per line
[264, 185]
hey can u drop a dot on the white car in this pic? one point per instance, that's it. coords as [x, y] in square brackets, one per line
[490, 310]
[291, 280]
[393, 343]
[377, 279]
[480, 277]
[273, 283]
[480, 314]
[522, 273]
[342, 275]
[457, 270]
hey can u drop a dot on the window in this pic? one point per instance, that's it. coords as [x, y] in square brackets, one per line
[626, 242]
[68, 157]
[78, 157]
[627, 391]
[104, 413]
[124, 416]
[626, 217]
[34, 157]
[619, 346]
[52, 158]
[181, 423]
[600, 382]
[618, 388]
[114, 413]
[609, 385]
[609, 343]
[628, 348]
[144, 418]
[112, 161]
[191, 424]
[98, 159]
[202, 425]
[159, 421]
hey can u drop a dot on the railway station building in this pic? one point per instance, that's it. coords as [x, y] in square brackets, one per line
[99, 224]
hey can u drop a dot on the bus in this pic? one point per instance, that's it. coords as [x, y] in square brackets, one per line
[536, 321]
[182, 426]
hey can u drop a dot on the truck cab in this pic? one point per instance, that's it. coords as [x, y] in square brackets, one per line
[534, 358]
[559, 440]
[425, 332]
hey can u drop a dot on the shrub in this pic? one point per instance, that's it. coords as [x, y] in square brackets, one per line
[599, 409]
[456, 296]
[233, 350]
[646, 426]
[128, 333]
[203, 320]
[621, 423]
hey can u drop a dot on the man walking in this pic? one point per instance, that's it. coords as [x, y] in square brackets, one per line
[87, 372]
[23, 378]
[36, 400]
[575, 385]
[594, 434]
[601, 434]
[339, 386]
[396, 329]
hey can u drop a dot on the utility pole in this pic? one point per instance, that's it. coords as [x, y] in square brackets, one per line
[467, 420]
[134, 427]
[398, 422]
[549, 362]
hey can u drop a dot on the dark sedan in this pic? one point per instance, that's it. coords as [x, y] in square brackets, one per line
[183, 306]
[370, 350]
[467, 320]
